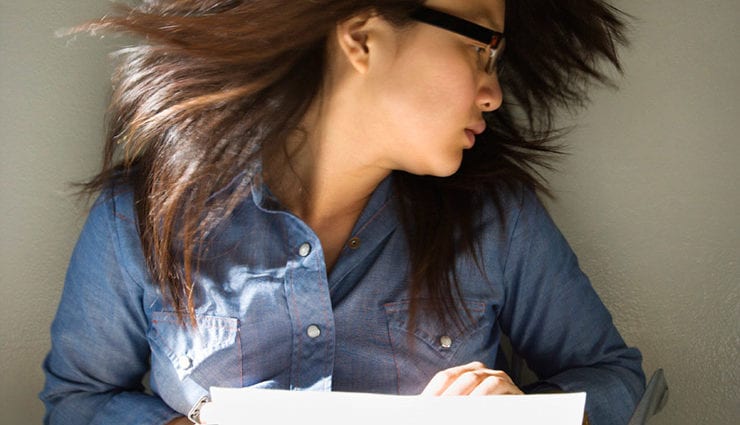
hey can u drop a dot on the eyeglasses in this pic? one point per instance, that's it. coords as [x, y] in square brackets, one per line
[493, 40]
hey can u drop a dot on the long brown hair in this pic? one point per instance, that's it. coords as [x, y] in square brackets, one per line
[214, 81]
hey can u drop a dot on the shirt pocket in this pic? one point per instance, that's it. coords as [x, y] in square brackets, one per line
[208, 354]
[432, 346]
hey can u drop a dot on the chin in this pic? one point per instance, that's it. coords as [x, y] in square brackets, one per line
[447, 173]
[442, 166]
[445, 170]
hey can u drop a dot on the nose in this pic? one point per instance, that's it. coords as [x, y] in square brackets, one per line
[489, 96]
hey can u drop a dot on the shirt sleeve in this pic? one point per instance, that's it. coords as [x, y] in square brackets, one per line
[99, 350]
[558, 324]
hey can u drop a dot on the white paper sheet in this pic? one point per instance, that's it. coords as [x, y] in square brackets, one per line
[239, 406]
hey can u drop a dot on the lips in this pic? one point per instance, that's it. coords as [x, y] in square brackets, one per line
[474, 130]
[478, 127]
[471, 138]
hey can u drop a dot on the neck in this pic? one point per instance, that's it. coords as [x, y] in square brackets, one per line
[326, 172]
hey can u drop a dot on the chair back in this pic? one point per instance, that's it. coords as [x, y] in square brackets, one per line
[652, 401]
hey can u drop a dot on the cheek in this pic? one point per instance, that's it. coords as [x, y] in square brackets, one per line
[432, 96]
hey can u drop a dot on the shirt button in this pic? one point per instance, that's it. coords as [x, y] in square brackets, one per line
[184, 362]
[304, 249]
[313, 331]
[354, 243]
[445, 341]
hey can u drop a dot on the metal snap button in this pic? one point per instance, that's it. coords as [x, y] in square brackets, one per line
[313, 331]
[445, 341]
[184, 362]
[304, 249]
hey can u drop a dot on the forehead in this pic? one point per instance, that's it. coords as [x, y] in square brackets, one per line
[489, 13]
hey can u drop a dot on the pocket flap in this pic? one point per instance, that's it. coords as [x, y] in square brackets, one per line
[444, 339]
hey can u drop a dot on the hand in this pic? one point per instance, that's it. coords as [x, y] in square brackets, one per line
[471, 379]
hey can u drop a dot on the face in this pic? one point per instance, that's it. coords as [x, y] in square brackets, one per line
[429, 91]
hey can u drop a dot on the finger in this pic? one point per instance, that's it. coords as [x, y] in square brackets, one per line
[469, 381]
[464, 383]
[495, 385]
[441, 380]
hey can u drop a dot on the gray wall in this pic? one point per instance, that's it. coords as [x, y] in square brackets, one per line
[648, 197]
[52, 100]
[650, 201]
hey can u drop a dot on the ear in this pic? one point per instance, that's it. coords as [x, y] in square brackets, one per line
[353, 36]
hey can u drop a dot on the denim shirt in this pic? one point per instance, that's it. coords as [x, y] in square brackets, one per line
[269, 315]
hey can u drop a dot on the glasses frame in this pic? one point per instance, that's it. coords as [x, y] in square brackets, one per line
[493, 40]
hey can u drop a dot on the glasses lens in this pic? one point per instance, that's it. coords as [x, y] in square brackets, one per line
[493, 65]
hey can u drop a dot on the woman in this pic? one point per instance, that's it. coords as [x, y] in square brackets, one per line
[332, 195]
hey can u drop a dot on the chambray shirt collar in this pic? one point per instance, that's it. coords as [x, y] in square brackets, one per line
[376, 222]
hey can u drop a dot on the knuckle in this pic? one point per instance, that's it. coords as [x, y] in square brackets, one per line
[445, 374]
[470, 375]
[494, 380]
[480, 373]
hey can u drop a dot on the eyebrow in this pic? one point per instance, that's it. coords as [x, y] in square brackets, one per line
[458, 25]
